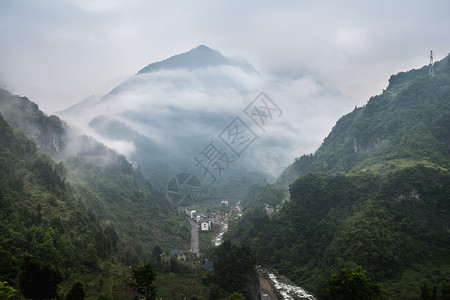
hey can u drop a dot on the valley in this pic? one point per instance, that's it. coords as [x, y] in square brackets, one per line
[92, 205]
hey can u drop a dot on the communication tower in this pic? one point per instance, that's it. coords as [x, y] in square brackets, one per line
[431, 65]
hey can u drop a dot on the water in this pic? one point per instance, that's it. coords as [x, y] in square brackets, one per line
[282, 284]
[218, 239]
[286, 288]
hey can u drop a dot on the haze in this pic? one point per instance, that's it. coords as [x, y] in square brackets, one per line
[60, 52]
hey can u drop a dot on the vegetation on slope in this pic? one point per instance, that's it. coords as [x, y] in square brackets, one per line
[40, 216]
[375, 194]
[405, 125]
[104, 181]
[92, 214]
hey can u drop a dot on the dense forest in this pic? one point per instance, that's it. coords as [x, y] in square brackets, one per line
[41, 217]
[375, 194]
[103, 180]
[75, 204]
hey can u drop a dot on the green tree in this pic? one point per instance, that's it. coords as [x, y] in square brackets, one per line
[156, 257]
[215, 292]
[197, 298]
[90, 256]
[6, 291]
[445, 288]
[156, 254]
[8, 263]
[352, 284]
[143, 277]
[76, 291]
[104, 296]
[234, 268]
[236, 296]
[38, 280]
[427, 292]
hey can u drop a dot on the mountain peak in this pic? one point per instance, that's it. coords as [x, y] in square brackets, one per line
[199, 57]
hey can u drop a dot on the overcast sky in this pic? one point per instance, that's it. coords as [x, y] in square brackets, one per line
[58, 52]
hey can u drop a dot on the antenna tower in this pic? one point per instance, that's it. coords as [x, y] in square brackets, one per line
[431, 65]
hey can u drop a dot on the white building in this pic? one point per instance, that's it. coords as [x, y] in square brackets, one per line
[205, 225]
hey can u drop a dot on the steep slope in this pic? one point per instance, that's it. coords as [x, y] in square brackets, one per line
[40, 216]
[376, 194]
[408, 122]
[104, 181]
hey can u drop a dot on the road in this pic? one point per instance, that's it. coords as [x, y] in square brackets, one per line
[194, 237]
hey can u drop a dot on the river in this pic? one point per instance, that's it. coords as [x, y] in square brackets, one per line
[218, 239]
[285, 287]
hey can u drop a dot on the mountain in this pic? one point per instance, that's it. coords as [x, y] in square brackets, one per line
[407, 123]
[85, 196]
[200, 57]
[40, 215]
[374, 194]
[164, 118]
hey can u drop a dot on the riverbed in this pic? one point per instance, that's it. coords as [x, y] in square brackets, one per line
[284, 287]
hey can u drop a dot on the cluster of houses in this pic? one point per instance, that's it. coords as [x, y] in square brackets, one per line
[204, 220]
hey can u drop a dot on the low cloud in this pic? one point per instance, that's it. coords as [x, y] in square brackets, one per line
[180, 111]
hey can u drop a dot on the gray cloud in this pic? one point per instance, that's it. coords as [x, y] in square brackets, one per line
[59, 52]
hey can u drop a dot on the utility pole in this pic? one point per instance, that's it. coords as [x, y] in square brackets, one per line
[431, 65]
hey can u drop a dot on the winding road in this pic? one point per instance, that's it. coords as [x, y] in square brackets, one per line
[194, 238]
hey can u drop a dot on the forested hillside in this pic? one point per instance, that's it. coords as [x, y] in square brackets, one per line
[41, 217]
[74, 203]
[407, 124]
[375, 194]
[102, 179]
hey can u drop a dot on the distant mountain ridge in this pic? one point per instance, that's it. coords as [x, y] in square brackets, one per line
[199, 57]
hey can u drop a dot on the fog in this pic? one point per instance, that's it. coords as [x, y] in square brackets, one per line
[59, 52]
[180, 111]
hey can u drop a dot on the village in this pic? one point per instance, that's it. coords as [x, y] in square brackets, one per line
[211, 224]
[206, 220]
[214, 220]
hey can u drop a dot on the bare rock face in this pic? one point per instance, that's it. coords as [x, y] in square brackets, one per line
[254, 288]
[24, 115]
[360, 147]
[48, 141]
[413, 195]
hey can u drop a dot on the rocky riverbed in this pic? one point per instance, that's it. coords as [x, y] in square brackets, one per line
[281, 287]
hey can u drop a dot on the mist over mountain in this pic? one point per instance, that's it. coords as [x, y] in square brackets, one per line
[101, 179]
[164, 116]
